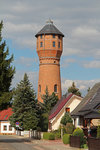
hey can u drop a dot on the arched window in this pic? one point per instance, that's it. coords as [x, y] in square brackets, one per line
[39, 88]
[55, 88]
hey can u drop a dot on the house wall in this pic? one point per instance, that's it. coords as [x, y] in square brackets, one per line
[7, 124]
[73, 102]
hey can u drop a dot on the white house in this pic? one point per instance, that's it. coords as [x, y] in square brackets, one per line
[67, 104]
[5, 127]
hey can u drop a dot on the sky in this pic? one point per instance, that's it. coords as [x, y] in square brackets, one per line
[78, 20]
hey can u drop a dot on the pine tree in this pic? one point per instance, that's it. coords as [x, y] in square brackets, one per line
[73, 89]
[48, 103]
[6, 73]
[66, 119]
[24, 106]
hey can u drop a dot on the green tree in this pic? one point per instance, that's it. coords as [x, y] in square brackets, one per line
[24, 106]
[6, 73]
[73, 89]
[66, 119]
[48, 103]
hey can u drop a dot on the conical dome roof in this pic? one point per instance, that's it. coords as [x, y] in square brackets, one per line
[49, 28]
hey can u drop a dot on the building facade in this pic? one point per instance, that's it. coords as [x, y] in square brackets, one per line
[49, 50]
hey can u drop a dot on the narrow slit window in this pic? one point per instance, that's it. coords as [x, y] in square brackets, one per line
[55, 88]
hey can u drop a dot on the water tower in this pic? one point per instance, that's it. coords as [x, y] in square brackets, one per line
[49, 50]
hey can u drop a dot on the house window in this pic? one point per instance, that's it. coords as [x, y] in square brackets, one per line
[41, 44]
[10, 128]
[39, 88]
[53, 44]
[55, 88]
[58, 44]
[53, 35]
[5, 128]
[41, 36]
[67, 109]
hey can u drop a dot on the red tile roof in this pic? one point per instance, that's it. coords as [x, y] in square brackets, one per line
[59, 106]
[5, 114]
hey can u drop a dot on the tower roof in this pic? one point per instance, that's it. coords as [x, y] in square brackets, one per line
[49, 28]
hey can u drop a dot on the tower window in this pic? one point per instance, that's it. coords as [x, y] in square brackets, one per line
[55, 88]
[39, 88]
[53, 44]
[53, 35]
[41, 44]
[59, 44]
[41, 36]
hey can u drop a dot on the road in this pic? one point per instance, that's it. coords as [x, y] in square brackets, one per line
[13, 143]
[19, 143]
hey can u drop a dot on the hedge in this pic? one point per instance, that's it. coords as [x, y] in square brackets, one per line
[48, 136]
[66, 138]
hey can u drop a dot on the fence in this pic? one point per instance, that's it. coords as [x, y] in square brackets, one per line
[93, 143]
[75, 141]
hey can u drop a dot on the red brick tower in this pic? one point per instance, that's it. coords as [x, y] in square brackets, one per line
[49, 49]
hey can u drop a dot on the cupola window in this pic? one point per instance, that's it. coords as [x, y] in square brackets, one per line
[41, 36]
[53, 35]
[55, 88]
[53, 43]
[41, 44]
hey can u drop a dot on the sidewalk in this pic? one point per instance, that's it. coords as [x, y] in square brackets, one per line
[52, 145]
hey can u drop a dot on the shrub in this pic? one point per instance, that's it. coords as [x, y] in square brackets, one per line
[57, 135]
[79, 132]
[98, 132]
[69, 128]
[66, 138]
[48, 136]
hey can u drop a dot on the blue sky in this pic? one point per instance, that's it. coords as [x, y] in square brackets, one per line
[78, 20]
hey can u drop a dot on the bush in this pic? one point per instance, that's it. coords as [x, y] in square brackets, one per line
[79, 132]
[66, 138]
[69, 128]
[48, 136]
[98, 132]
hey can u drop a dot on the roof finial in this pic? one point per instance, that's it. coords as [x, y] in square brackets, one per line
[49, 21]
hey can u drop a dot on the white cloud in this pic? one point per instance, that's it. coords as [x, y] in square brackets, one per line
[83, 85]
[85, 32]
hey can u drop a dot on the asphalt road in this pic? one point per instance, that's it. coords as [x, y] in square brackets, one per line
[13, 143]
[19, 143]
